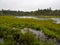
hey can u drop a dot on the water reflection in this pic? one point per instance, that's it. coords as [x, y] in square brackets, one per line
[40, 34]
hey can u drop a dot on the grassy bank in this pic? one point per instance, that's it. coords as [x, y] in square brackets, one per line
[10, 30]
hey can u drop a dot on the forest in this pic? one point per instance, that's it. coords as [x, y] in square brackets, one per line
[39, 12]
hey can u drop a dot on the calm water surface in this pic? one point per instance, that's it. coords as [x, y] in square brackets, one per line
[55, 19]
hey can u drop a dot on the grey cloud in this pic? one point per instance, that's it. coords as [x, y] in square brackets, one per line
[29, 4]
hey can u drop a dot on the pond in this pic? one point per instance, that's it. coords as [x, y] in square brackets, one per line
[55, 19]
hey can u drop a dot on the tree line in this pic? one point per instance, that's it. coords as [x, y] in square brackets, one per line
[39, 12]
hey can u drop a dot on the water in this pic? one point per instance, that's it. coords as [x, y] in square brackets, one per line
[1, 40]
[55, 19]
[40, 34]
[32, 17]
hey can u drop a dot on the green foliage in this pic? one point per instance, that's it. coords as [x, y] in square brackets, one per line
[10, 30]
[29, 39]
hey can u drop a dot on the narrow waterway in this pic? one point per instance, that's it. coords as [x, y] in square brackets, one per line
[55, 19]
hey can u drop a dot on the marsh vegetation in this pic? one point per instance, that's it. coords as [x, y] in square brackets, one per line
[28, 31]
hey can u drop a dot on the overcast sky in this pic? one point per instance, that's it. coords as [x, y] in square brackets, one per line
[29, 5]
